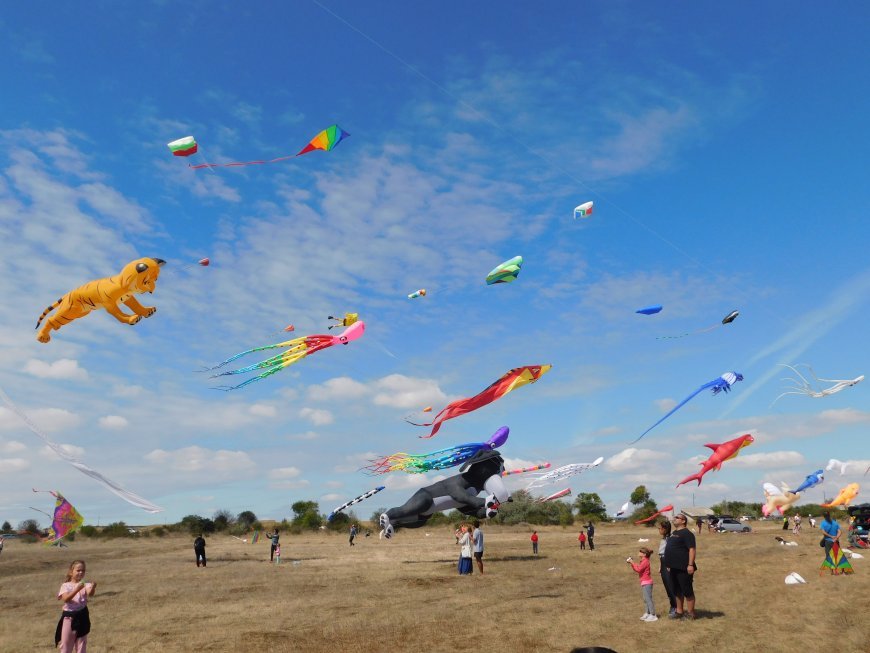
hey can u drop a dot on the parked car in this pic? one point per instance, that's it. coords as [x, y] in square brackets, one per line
[733, 526]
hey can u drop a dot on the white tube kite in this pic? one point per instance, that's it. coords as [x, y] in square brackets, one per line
[126, 495]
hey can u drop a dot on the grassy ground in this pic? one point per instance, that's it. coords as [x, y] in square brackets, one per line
[405, 595]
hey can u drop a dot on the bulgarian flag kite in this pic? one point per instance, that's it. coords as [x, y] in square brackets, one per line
[183, 146]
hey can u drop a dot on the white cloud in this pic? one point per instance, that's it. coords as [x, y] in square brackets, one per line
[332, 496]
[411, 481]
[45, 419]
[64, 368]
[284, 472]
[12, 465]
[664, 405]
[317, 416]
[767, 460]
[127, 391]
[12, 446]
[632, 459]
[71, 449]
[263, 410]
[198, 459]
[400, 391]
[308, 435]
[113, 422]
[339, 388]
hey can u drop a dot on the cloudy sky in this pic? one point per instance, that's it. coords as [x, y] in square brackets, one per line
[727, 162]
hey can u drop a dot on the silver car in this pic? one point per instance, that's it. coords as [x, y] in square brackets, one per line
[733, 526]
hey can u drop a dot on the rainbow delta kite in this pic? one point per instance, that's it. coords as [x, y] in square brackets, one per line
[65, 519]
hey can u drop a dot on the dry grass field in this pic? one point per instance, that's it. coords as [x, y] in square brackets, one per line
[405, 595]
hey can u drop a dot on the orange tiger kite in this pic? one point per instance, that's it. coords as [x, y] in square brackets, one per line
[136, 277]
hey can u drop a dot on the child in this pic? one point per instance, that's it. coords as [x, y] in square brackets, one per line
[534, 539]
[646, 583]
[75, 624]
[277, 554]
[582, 538]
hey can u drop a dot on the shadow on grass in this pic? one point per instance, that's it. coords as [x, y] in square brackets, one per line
[708, 614]
[545, 596]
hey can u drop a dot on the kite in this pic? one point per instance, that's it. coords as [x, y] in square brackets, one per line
[346, 321]
[804, 387]
[255, 537]
[836, 561]
[183, 146]
[557, 495]
[126, 495]
[136, 277]
[721, 453]
[417, 293]
[584, 210]
[776, 499]
[298, 348]
[812, 480]
[428, 409]
[481, 473]
[625, 507]
[650, 310]
[844, 497]
[511, 380]
[728, 319]
[566, 471]
[505, 272]
[782, 542]
[720, 384]
[65, 519]
[361, 497]
[533, 468]
[834, 463]
[667, 508]
[794, 578]
[325, 140]
[441, 459]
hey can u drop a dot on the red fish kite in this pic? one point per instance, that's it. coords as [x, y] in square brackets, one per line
[721, 453]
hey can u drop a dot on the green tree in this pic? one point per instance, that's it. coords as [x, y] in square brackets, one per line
[306, 515]
[7, 527]
[223, 519]
[246, 520]
[589, 506]
[29, 526]
[115, 529]
[639, 496]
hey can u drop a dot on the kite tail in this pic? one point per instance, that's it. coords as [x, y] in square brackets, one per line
[677, 407]
[287, 343]
[227, 388]
[280, 361]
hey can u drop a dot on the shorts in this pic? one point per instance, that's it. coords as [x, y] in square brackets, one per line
[478, 555]
[681, 581]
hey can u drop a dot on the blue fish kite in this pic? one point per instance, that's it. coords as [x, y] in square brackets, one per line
[650, 310]
[811, 480]
[720, 384]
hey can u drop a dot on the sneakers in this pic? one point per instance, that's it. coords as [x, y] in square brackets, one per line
[673, 614]
[644, 617]
[651, 617]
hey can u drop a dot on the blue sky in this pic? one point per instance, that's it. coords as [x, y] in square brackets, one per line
[726, 154]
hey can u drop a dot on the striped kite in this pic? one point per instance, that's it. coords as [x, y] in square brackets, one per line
[298, 349]
[505, 272]
[513, 379]
[361, 497]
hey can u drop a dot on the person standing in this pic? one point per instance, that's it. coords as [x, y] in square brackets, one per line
[646, 583]
[797, 524]
[352, 534]
[477, 539]
[582, 539]
[680, 561]
[831, 529]
[275, 539]
[785, 522]
[199, 550]
[534, 539]
[590, 535]
[465, 566]
[665, 532]
[812, 521]
[75, 622]
[698, 524]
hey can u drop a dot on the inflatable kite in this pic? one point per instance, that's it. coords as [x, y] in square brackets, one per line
[667, 508]
[183, 146]
[721, 453]
[650, 310]
[804, 387]
[584, 210]
[136, 277]
[481, 473]
[777, 499]
[794, 578]
[298, 349]
[417, 293]
[511, 380]
[523, 470]
[721, 384]
[622, 511]
[505, 272]
[836, 562]
[325, 140]
[560, 473]
[844, 497]
[557, 495]
[126, 495]
[441, 459]
[65, 520]
[346, 321]
[361, 497]
[728, 319]
[833, 463]
[812, 480]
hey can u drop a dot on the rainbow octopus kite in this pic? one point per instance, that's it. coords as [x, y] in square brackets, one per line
[441, 459]
[721, 384]
[65, 519]
[299, 348]
[513, 379]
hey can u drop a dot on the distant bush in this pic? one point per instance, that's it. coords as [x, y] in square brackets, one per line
[159, 531]
[116, 529]
[88, 531]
